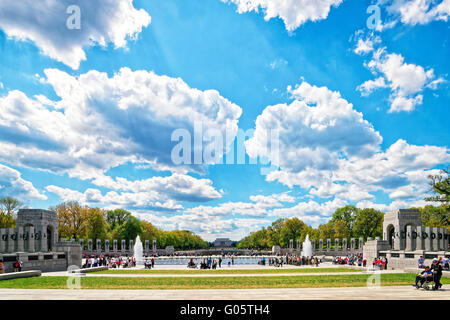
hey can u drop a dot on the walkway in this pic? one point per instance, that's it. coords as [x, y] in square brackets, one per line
[362, 293]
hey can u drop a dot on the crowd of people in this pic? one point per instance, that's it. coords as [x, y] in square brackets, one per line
[351, 260]
[116, 262]
[207, 263]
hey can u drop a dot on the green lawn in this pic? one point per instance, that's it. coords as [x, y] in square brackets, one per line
[229, 271]
[213, 282]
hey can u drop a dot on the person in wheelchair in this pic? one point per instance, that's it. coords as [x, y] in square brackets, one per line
[191, 264]
[424, 276]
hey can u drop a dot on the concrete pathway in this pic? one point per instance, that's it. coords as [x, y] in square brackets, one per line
[362, 293]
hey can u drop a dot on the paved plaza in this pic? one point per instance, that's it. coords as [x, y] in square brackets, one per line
[359, 293]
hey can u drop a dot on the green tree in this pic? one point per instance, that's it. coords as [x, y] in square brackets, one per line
[116, 219]
[72, 220]
[369, 223]
[436, 216]
[348, 215]
[440, 184]
[131, 229]
[292, 229]
[97, 227]
[9, 206]
[6, 221]
[341, 230]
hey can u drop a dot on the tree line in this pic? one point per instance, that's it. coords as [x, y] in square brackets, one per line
[347, 222]
[351, 222]
[82, 222]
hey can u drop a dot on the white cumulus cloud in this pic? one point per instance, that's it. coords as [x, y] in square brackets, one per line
[45, 24]
[294, 13]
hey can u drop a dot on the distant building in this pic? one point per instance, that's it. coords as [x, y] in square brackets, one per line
[222, 243]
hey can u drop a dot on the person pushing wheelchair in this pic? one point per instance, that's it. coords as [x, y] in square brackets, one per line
[436, 268]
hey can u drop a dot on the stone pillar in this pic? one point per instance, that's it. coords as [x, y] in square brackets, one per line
[446, 239]
[298, 244]
[377, 238]
[11, 241]
[44, 235]
[427, 239]
[115, 245]
[147, 246]
[328, 245]
[98, 246]
[440, 238]
[131, 248]
[30, 239]
[419, 240]
[434, 239]
[154, 246]
[397, 240]
[313, 244]
[360, 243]
[291, 244]
[123, 247]
[81, 242]
[20, 243]
[408, 246]
[344, 244]
[352, 243]
[336, 244]
[3, 239]
[89, 244]
[320, 244]
[106, 246]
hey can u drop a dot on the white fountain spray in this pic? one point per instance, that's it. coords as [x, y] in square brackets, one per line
[307, 248]
[138, 252]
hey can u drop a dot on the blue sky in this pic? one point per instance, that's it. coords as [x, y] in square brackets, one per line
[87, 114]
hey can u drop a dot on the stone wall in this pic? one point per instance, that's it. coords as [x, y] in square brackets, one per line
[46, 262]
